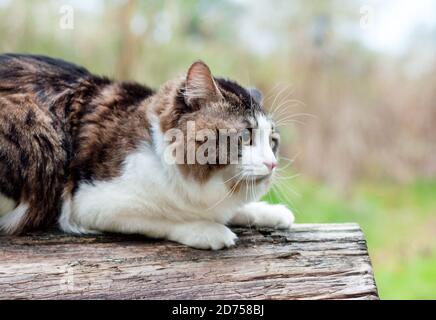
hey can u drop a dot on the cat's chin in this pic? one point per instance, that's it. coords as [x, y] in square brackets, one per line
[257, 178]
[254, 187]
[261, 178]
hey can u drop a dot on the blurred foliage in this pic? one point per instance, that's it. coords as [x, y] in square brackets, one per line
[359, 124]
[398, 222]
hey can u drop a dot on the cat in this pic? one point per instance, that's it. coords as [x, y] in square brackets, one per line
[91, 154]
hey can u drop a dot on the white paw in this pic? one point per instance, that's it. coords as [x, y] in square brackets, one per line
[279, 216]
[263, 214]
[203, 235]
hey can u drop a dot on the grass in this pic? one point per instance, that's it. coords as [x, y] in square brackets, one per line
[399, 222]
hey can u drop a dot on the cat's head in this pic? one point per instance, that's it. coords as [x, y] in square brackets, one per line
[217, 128]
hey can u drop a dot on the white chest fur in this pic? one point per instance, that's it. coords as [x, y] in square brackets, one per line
[149, 190]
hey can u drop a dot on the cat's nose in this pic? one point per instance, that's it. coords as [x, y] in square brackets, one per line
[270, 165]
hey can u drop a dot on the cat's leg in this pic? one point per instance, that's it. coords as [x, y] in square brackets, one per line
[263, 214]
[196, 234]
[200, 234]
[109, 207]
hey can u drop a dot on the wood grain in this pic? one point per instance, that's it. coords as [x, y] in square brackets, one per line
[327, 261]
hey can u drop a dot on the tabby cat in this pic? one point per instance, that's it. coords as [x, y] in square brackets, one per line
[91, 154]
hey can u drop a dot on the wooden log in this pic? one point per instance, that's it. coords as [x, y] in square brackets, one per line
[327, 261]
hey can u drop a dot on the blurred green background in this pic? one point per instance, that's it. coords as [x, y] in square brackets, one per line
[352, 84]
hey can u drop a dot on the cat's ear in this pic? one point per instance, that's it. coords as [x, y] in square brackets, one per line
[200, 85]
[256, 95]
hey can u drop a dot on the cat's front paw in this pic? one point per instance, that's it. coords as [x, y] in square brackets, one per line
[262, 214]
[203, 235]
[279, 217]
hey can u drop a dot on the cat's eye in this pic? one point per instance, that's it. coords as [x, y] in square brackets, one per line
[246, 136]
[274, 141]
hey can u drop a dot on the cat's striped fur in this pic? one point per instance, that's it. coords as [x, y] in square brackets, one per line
[64, 130]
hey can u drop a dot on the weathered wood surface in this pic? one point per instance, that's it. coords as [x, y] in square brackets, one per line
[309, 262]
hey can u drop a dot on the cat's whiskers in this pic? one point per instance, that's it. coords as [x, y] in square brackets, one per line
[285, 167]
[283, 112]
[279, 93]
[286, 112]
[253, 192]
[278, 177]
[301, 114]
[228, 194]
[236, 175]
[290, 162]
[284, 106]
[269, 95]
[278, 108]
[277, 182]
[246, 214]
[281, 105]
[278, 96]
[291, 159]
[288, 121]
[287, 199]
